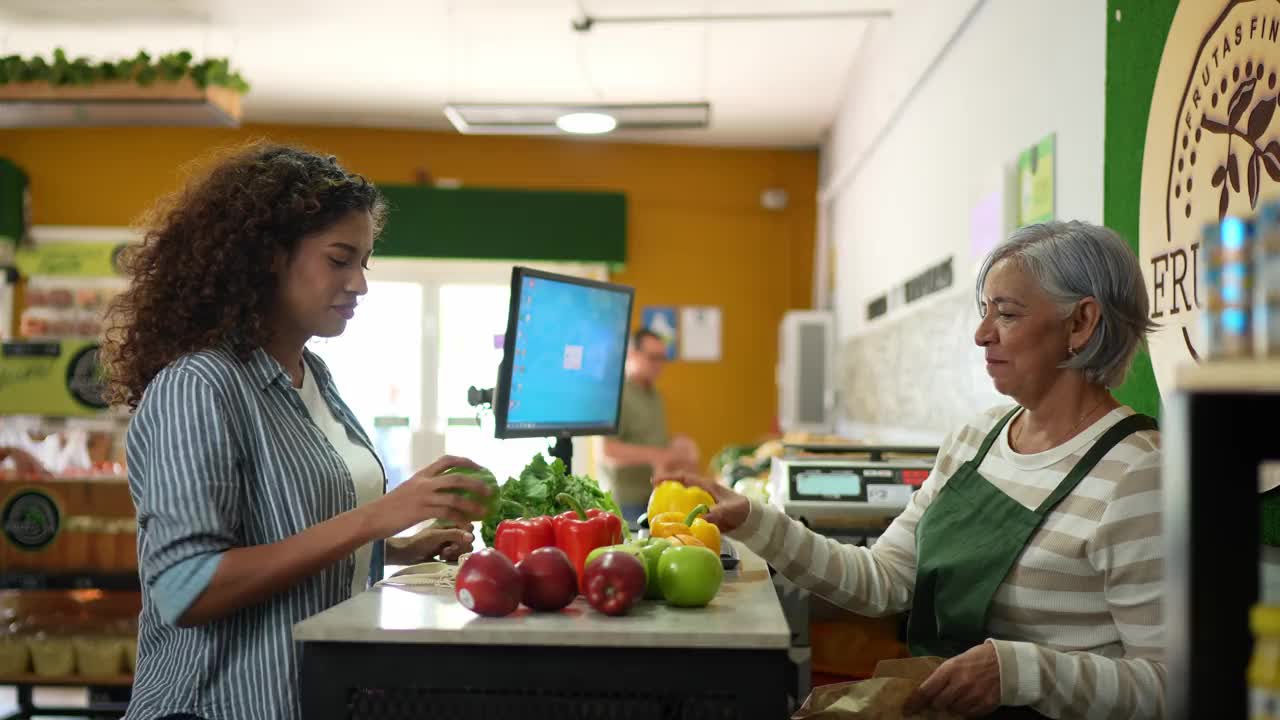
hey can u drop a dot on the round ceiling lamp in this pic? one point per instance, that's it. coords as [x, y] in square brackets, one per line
[586, 123]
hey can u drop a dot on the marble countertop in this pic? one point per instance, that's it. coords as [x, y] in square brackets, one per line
[746, 614]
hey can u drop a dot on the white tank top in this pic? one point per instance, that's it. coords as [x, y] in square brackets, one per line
[365, 471]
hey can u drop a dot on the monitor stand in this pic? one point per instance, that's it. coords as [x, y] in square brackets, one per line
[563, 449]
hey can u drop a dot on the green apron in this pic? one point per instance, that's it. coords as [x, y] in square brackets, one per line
[968, 540]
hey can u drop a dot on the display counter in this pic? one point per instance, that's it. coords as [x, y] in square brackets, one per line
[402, 652]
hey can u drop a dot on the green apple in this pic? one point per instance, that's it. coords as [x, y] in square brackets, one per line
[651, 550]
[689, 576]
[628, 548]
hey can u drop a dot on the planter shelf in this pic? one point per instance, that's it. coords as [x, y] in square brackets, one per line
[118, 103]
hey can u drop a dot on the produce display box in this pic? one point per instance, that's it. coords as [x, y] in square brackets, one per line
[84, 638]
[73, 525]
[68, 681]
[104, 494]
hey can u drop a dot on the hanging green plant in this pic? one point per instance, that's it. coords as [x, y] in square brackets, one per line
[140, 69]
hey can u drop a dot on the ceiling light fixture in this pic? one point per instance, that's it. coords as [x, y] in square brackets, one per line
[559, 118]
[587, 123]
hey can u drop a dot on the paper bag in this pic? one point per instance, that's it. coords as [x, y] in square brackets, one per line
[879, 698]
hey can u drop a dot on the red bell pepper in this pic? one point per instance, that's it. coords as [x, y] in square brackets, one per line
[578, 532]
[517, 538]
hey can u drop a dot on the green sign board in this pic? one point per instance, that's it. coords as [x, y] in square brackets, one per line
[70, 259]
[1036, 183]
[60, 378]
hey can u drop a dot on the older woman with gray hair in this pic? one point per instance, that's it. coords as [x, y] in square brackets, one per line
[1031, 557]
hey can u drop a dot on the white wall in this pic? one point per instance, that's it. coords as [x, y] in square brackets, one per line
[942, 98]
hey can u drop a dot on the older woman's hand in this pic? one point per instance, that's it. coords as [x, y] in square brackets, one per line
[731, 509]
[967, 684]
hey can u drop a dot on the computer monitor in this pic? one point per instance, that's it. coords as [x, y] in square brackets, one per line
[563, 356]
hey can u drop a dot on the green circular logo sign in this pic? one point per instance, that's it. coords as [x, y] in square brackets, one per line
[30, 519]
[117, 258]
[85, 381]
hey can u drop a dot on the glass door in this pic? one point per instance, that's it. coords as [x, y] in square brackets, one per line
[427, 332]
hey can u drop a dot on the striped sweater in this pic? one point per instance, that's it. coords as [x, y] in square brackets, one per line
[1077, 624]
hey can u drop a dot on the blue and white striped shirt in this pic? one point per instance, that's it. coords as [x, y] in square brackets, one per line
[224, 454]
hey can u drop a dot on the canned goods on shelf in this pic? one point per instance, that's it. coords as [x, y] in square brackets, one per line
[1264, 665]
[1267, 284]
[1227, 284]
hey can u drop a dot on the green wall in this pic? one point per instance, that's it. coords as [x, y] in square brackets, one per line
[1134, 46]
[493, 224]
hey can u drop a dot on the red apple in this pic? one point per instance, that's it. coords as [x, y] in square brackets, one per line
[488, 584]
[614, 581]
[550, 582]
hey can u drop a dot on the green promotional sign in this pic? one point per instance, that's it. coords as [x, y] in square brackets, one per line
[1036, 183]
[60, 378]
[70, 259]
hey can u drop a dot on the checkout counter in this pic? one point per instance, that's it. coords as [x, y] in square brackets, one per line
[850, 493]
[398, 652]
[401, 651]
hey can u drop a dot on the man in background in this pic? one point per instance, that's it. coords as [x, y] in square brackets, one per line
[643, 445]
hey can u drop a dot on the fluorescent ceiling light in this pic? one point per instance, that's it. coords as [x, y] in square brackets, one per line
[586, 123]
[548, 118]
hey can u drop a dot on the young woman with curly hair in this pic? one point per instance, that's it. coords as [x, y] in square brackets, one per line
[260, 500]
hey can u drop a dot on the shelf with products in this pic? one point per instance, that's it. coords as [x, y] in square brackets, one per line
[57, 634]
[1219, 445]
[83, 659]
[69, 532]
[69, 586]
[12, 579]
[58, 308]
[54, 316]
[72, 524]
[1244, 375]
[97, 654]
[67, 681]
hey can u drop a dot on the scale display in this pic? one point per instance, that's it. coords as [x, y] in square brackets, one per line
[829, 483]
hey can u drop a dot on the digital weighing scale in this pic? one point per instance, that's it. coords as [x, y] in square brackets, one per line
[847, 489]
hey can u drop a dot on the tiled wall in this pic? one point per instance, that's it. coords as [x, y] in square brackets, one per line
[920, 371]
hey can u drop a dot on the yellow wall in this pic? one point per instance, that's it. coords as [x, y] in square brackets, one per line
[696, 231]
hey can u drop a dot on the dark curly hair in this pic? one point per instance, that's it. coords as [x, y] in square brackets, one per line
[202, 275]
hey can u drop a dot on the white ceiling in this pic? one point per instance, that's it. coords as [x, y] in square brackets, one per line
[395, 63]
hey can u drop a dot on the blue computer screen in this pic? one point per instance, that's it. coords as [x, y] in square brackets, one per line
[570, 345]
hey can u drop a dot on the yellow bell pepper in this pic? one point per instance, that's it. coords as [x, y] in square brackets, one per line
[675, 525]
[690, 540]
[673, 496]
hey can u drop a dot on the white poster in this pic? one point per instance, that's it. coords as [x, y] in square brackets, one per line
[700, 334]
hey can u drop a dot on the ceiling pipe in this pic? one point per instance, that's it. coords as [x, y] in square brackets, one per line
[586, 22]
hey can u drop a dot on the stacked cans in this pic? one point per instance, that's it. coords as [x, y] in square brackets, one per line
[1266, 311]
[1226, 262]
[1239, 280]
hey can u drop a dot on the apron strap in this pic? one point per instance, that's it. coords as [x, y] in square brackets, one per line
[991, 438]
[1109, 439]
